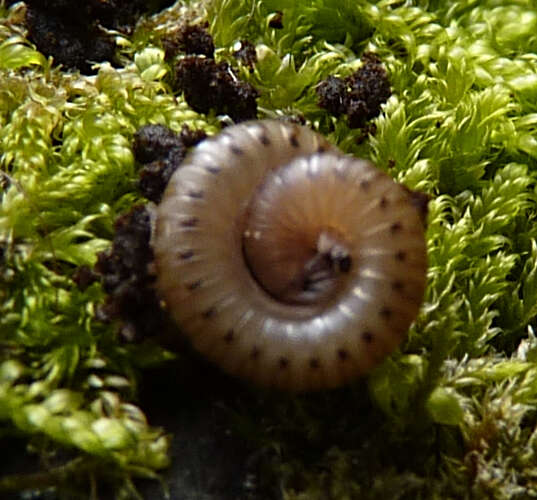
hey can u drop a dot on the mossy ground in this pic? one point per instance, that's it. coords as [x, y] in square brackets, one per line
[452, 415]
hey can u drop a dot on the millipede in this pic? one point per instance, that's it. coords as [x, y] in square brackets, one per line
[285, 261]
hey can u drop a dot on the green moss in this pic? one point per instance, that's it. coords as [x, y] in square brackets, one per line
[450, 416]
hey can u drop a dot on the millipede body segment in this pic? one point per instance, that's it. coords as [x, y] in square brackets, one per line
[285, 261]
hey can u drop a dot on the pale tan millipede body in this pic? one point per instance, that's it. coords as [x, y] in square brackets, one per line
[286, 262]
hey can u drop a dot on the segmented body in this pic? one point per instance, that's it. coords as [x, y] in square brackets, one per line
[286, 262]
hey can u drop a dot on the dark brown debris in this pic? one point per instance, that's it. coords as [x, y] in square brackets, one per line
[84, 276]
[154, 176]
[154, 142]
[72, 32]
[123, 271]
[358, 96]
[130, 251]
[71, 45]
[332, 95]
[246, 54]
[191, 137]
[161, 151]
[368, 129]
[208, 85]
[190, 39]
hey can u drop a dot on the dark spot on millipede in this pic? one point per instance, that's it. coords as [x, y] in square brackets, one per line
[187, 254]
[209, 313]
[229, 336]
[293, 139]
[343, 354]
[321, 148]
[396, 227]
[194, 285]
[367, 337]
[385, 312]
[345, 264]
[383, 202]
[195, 194]
[255, 352]
[314, 363]
[364, 184]
[400, 255]
[192, 222]
[398, 286]
[264, 140]
[213, 169]
[236, 150]
[283, 363]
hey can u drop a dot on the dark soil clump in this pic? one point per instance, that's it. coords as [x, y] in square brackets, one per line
[75, 33]
[359, 96]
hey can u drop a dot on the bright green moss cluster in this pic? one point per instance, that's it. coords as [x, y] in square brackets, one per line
[453, 415]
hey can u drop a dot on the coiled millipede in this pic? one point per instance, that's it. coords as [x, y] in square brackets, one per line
[286, 262]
